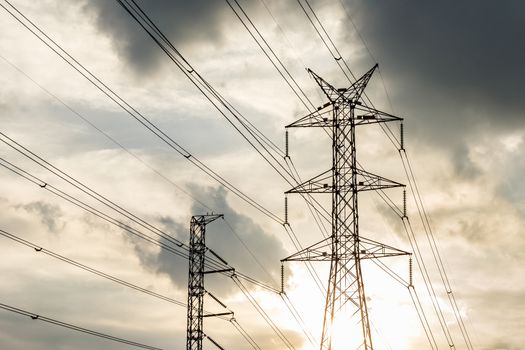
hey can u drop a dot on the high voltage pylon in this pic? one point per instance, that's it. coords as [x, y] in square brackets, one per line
[345, 248]
[196, 292]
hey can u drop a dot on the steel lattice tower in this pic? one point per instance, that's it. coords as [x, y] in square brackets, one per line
[196, 291]
[344, 248]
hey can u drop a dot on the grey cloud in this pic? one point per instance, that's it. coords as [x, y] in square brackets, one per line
[267, 249]
[514, 187]
[459, 65]
[50, 215]
[183, 22]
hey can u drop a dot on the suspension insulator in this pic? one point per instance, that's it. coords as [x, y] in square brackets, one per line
[285, 210]
[404, 203]
[402, 137]
[286, 143]
[282, 278]
[410, 273]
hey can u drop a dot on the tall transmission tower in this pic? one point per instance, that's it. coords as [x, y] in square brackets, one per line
[196, 291]
[345, 248]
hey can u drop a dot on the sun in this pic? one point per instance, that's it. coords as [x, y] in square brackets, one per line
[346, 333]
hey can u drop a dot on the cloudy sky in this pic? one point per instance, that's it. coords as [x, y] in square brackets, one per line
[452, 69]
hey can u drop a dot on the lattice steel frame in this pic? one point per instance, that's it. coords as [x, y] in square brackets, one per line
[345, 248]
[196, 291]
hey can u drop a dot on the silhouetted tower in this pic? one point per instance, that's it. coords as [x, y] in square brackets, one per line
[196, 291]
[344, 248]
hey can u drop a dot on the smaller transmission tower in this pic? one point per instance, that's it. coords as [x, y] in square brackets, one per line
[196, 291]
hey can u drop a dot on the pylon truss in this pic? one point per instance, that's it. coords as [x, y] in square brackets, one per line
[345, 248]
[368, 249]
[322, 117]
[366, 181]
[196, 291]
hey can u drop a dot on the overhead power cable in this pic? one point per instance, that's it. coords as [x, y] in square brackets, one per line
[187, 155]
[299, 319]
[139, 117]
[138, 14]
[217, 100]
[38, 317]
[76, 113]
[245, 335]
[431, 239]
[263, 313]
[114, 97]
[87, 190]
[339, 59]
[179, 250]
[332, 48]
[106, 135]
[423, 319]
[256, 139]
[428, 282]
[40, 249]
[420, 206]
[287, 40]
[263, 44]
[349, 16]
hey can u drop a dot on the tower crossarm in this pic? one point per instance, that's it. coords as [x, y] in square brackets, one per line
[320, 251]
[370, 249]
[367, 115]
[366, 181]
[321, 118]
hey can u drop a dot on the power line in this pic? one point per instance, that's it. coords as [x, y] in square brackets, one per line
[338, 58]
[428, 282]
[263, 313]
[214, 264]
[419, 203]
[106, 135]
[285, 37]
[76, 113]
[396, 143]
[270, 54]
[434, 248]
[38, 317]
[298, 319]
[139, 117]
[138, 14]
[245, 335]
[40, 249]
[347, 12]
[86, 189]
[180, 250]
